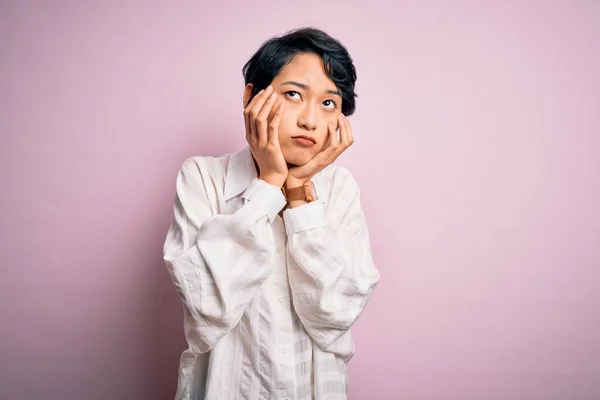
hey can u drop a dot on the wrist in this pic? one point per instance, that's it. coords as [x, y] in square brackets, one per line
[303, 193]
[273, 180]
[292, 182]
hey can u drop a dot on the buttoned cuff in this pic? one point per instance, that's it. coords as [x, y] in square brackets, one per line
[268, 198]
[305, 217]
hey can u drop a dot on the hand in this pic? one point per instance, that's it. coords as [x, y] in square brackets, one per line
[298, 175]
[263, 137]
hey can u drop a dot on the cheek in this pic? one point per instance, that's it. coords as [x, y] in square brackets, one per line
[323, 134]
[287, 126]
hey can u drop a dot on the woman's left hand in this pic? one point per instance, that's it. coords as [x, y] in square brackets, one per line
[300, 174]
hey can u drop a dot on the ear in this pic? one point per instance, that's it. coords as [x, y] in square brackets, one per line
[247, 92]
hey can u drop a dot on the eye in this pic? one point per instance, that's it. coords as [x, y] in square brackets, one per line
[291, 94]
[329, 103]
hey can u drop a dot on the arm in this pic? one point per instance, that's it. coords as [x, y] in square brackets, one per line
[218, 262]
[332, 273]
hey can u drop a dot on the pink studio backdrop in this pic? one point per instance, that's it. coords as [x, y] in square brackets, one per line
[477, 148]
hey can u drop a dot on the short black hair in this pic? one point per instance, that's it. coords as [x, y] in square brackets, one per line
[277, 52]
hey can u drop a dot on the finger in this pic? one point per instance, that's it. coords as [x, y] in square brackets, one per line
[348, 137]
[254, 110]
[327, 151]
[262, 123]
[273, 136]
[322, 157]
[330, 153]
[327, 141]
[332, 138]
[247, 114]
[260, 97]
[256, 97]
[341, 144]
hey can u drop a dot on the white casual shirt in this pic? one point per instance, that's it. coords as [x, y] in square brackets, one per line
[268, 301]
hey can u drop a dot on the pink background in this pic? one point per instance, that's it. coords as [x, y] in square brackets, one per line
[477, 147]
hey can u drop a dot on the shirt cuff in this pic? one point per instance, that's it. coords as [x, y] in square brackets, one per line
[268, 198]
[304, 217]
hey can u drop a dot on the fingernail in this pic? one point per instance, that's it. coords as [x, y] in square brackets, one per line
[270, 87]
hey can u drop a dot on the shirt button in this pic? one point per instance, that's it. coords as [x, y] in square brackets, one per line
[284, 350]
[280, 298]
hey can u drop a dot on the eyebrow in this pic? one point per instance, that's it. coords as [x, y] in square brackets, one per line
[304, 86]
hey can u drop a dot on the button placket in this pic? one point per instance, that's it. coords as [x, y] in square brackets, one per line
[280, 249]
[281, 323]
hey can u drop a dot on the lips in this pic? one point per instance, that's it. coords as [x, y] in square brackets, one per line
[305, 138]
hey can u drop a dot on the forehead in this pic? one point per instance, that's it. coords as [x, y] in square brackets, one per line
[306, 68]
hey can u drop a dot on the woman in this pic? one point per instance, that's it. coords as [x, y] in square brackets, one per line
[269, 248]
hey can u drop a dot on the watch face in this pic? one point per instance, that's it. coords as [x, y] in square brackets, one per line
[308, 195]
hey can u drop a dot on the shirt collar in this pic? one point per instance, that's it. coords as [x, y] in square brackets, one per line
[241, 171]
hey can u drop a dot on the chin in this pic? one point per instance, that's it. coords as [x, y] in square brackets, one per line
[297, 157]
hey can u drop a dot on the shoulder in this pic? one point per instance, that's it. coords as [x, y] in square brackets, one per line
[341, 194]
[339, 179]
[201, 174]
[203, 168]
[208, 164]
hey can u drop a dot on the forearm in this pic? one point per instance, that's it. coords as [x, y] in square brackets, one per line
[218, 268]
[331, 271]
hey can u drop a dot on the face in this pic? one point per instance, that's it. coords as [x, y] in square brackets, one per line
[311, 102]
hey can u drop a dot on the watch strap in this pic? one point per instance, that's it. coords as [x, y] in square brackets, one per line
[303, 192]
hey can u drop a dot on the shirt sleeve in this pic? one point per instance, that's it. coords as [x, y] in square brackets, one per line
[217, 262]
[331, 270]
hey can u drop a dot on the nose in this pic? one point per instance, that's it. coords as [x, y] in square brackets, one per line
[308, 118]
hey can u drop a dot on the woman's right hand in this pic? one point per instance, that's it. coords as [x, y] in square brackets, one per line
[263, 136]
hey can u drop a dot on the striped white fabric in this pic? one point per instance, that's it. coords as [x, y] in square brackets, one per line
[268, 300]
